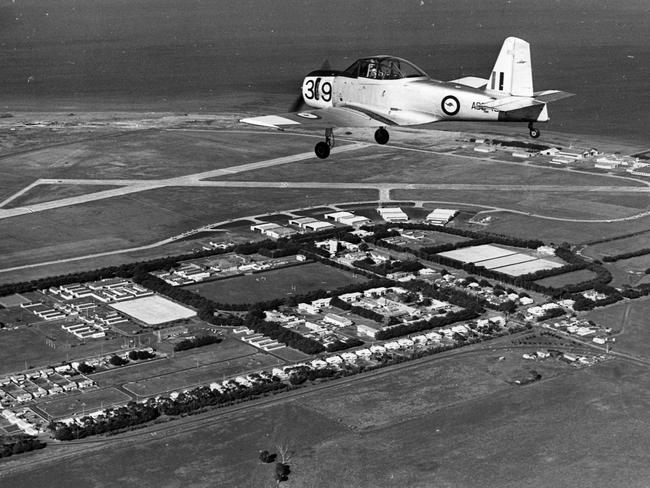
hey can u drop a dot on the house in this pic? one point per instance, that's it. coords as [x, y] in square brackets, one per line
[349, 357]
[368, 330]
[337, 320]
[334, 360]
[363, 353]
[319, 364]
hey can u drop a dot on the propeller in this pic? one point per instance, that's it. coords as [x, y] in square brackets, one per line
[299, 103]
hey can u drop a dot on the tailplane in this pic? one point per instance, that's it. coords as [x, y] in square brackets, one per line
[512, 73]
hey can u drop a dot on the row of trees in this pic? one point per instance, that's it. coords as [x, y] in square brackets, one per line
[134, 414]
[432, 323]
[626, 255]
[198, 341]
[10, 445]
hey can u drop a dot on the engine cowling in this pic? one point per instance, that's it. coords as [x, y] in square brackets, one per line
[317, 91]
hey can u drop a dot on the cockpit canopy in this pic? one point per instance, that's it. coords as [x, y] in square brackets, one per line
[384, 68]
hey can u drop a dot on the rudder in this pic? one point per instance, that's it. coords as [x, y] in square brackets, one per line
[512, 73]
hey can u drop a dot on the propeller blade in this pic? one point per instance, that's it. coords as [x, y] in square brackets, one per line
[298, 104]
[326, 65]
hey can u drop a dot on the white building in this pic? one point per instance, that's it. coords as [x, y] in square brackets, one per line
[392, 214]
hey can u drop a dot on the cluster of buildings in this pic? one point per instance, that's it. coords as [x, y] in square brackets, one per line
[559, 156]
[25, 387]
[219, 267]
[584, 329]
[313, 321]
[258, 340]
[24, 419]
[296, 225]
[567, 357]
[104, 291]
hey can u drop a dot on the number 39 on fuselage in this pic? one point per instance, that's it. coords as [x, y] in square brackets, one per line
[382, 91]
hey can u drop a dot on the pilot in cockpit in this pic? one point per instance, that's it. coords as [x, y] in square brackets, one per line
[372, 69]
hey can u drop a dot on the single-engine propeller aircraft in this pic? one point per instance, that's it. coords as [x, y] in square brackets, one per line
[382, 91]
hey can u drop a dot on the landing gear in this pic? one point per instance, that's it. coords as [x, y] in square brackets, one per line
[381, 136]
[322, 149]
[534, 133]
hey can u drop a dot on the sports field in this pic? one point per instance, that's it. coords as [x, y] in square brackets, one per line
[202, 375]
[153, 310]
[280, 283]
[206, 355]
[567, 278]
[87, 401]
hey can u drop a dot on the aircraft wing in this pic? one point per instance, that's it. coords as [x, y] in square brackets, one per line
[324, 118]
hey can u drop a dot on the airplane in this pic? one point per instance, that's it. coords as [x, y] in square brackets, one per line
[383, 91]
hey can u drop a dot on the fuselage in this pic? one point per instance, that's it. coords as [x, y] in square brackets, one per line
[412, 100]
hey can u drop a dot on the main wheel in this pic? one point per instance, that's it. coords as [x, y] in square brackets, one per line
[322, 150]
[381, 136]
[534, 132]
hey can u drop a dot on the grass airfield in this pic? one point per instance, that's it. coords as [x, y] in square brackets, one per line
[129, 183]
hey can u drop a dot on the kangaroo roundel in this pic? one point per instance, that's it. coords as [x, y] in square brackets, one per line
[450, 105]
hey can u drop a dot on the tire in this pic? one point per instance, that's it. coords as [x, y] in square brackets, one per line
[535, 133]
[322, 150]
[381, 136]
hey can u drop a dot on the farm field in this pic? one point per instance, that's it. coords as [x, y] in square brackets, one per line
[631, 318]
[357, 446]
[558, 231]
[567, 278]
[619, 246]
[269, 285]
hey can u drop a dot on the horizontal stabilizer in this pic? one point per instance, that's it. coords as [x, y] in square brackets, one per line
[511, 103]
[551, 95]
[472, 82]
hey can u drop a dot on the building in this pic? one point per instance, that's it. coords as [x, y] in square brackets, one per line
[309, 224]
[440, 216]
[337, 320]
[347, 218]
[392, 214]
[368, 330]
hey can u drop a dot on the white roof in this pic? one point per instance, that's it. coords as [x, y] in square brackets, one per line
[354, 219]
[318, 225]
[339, 215]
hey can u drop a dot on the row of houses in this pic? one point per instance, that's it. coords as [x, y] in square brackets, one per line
[258, 340]
[21, 388]
[105, 291]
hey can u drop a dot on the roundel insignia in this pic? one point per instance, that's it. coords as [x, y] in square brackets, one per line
[307, 115]
[450, 105]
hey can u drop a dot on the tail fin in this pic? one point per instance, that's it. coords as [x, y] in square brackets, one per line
[512, 73]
